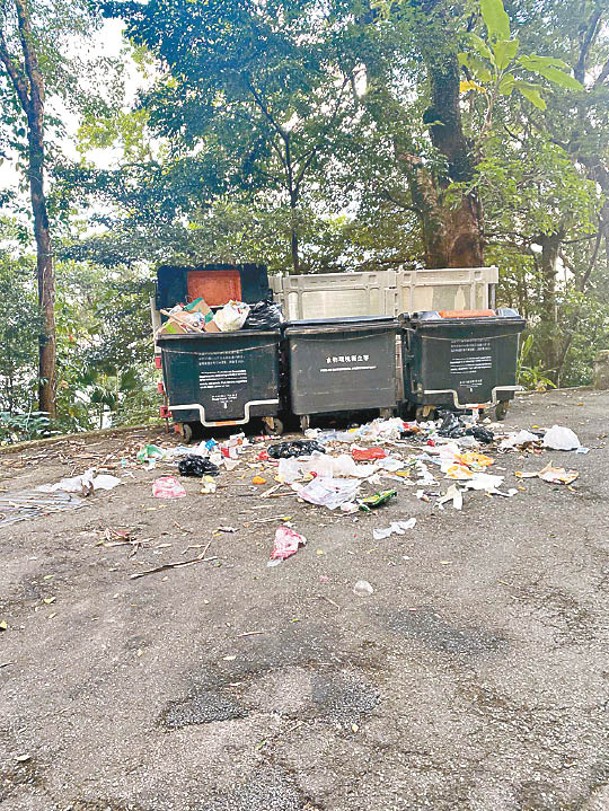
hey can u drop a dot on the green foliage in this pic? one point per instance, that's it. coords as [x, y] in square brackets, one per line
[23, 427]
[532, 377]
[18, 334]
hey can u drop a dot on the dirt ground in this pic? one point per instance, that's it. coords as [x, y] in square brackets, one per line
[475, 677]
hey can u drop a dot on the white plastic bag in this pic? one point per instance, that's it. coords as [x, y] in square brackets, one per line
[232, 316]
[559, 438]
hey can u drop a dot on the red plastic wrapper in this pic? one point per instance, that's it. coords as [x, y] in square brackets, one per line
[263, 456]
[367, 454]
[287, 543]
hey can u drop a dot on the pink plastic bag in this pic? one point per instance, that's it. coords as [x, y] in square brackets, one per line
[287, 543]
[167, 487]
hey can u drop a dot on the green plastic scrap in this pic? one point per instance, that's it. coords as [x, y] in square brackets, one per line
[150, 452]
[376, 500]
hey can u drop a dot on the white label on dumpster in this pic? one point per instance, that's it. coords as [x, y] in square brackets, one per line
[347, 363]
[224, 379]
[230, 375]
[470, 356]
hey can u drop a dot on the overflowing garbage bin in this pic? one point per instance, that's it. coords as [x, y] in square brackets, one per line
[219, 356]
[460, 359]
[341, 366]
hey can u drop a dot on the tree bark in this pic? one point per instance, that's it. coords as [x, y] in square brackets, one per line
[294, 240]
[452, 222]
[548, 327]
[46, 275]
[28, 83]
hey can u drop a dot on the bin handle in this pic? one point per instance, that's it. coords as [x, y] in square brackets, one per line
[214, 424]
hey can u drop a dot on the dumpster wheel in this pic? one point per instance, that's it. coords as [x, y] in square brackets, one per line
[273, 424]
[186, 432]
[305, 422]
[501, 409]
[425, 412]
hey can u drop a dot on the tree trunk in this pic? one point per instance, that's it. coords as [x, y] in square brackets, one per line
[45, 270]
[452, 222]
[548, 325]
[28, 83]
[294, 241]
[451, 236]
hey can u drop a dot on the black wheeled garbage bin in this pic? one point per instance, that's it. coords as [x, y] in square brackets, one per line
[341, 365]
[222, 378]
[219, 378]
[460, 360]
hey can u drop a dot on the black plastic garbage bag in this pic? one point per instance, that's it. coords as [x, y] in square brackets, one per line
[198, 466]
[299, 447]
[264, 315]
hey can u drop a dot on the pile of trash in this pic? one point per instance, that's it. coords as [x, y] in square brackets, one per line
[198, 317]
[359, 470]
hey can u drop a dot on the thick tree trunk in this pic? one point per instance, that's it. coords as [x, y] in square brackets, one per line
[451, 236]
[452, 223]
[549, 337]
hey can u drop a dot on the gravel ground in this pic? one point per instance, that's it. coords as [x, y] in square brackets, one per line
[475, 677]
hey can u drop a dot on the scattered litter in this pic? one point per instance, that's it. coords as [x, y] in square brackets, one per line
[367, 454]
[287, 543]
[327, 492]
[395, 528]
[83, 484]
[167, 487]
[296, 448]
[340, 467]
[209, 486]
[3, 625]
[363, 588]
[150, 454]
[453, 494]
[552, 475]
[226, 529]
[198, 466]
[289, 470]
[27, 505]
[484, 481]
[376, 500]
[559, 438]
[519, 439]
[258, 480]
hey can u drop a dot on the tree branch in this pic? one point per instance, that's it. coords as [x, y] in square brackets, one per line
[315, 149]
[579, 71]
[603, 75]
[16, 76]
